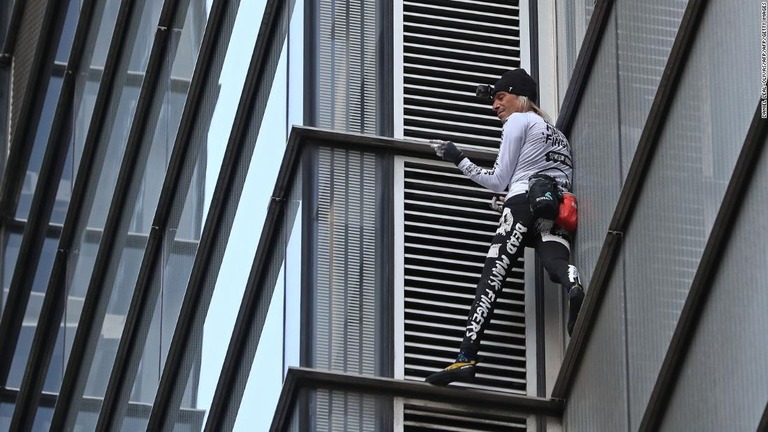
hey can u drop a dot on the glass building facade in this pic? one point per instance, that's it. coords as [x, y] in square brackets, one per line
[224, 215]
[124, 124]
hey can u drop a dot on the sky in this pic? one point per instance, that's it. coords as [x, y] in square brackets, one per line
[261, 394]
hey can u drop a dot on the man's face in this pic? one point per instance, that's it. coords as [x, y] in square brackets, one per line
[504, 105]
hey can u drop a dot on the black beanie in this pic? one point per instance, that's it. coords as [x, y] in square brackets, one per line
[517, 82]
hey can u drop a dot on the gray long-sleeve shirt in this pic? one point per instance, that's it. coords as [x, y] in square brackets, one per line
[529, 145]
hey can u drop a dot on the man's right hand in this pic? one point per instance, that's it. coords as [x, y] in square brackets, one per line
[497, 203]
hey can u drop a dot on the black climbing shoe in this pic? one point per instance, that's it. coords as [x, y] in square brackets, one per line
[463, 369]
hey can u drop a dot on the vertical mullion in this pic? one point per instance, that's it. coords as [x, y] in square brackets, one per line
[39, 218]
[91, 164]
[175, 187]
[20, 149]
[23, 131]
[218, 224]
[115, 232]
[763, 425]
[12, 31]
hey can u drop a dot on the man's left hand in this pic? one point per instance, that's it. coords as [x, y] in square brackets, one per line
[448, 151]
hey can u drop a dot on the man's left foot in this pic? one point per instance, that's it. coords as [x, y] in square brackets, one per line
[463, 369]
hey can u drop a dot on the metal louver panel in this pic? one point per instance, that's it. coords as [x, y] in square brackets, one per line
[449, 47]
[346, 276]
[345, 336]
[417, 418]
[447, 228]
[346, 98]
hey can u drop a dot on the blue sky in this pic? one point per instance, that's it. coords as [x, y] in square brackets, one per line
[262, 392]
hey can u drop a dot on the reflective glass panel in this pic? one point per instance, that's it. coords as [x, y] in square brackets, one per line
[266, 379]
[685, 184]
[68, 31]
[6, 412]
[38, 147]
[142, 211]
[244, 238]
[115, 121]
[32, 315]
[723, 384]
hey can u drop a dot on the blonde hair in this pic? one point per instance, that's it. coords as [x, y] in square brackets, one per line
[527, 105]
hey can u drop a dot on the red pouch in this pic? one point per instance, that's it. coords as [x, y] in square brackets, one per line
[567, 216]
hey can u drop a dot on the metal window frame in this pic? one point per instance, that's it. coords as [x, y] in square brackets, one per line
[20, 149]
[92, 160]
[714, 251]
[385, 74]
[218, 224]
[398, 67]
[56, 292]
[203, 89]
[54, 301]
[20, 146]
[763, 425]
[115, 231]
[398, 266]
[303, 378]
[633, 186]
[253, 311]
[93, 404]
[584, 63]
[38, 228]
[12, 31]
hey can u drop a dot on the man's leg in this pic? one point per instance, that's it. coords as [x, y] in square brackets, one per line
[513, 233]
[554, 252]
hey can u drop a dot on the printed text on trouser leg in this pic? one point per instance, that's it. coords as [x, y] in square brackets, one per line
[573, 275]
[496, 280]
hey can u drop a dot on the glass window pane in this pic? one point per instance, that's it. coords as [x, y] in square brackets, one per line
[86, 90]
[68, 31]
[572, 21]
[32, 315]
[266, 378]
[12, 242]
[107, 26]
[730, 339]
[6, 412]
[596, 156]
[244, 238]
[242, 243]
[43, 419]
[128, 254]
[684, 187]
[5, 17]
[292, 294]
[295, 72]
[39, 147]
[232, 79]
[182, 241]
[646, 32]
[112, 140]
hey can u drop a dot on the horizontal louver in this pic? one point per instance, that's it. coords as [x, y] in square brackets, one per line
[417, 418]
[449, 47]
[447, 228]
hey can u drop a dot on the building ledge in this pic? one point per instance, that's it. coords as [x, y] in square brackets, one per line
[298, 379]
